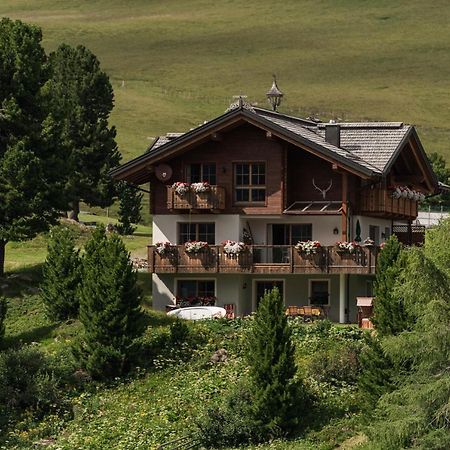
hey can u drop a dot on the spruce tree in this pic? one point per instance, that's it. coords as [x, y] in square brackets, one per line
[61, 275]
[30, 169]
[109, 306]
[389, 314]
[129, 207]
[278, 400]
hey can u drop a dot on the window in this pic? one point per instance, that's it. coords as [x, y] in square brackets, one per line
[197, 232]
[196, 288]
[201, 172]
[250, 182]
[284, 234]
[319, 292]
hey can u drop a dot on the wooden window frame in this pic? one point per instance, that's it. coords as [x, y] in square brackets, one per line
[249, 186]
[310, 281]
[197, 279]
[187, 169]
[196, 230]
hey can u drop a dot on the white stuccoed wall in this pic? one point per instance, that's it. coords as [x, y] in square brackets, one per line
[322, 227]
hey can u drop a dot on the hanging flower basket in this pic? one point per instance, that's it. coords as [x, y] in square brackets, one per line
[201, 187]
[347, 247]
[233, 248]
[164, 248]
[308, 247]
[194, 247]
[181, 188]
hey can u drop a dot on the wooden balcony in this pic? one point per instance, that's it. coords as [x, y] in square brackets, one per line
[264, 259]
[213, 199]
[380, 203]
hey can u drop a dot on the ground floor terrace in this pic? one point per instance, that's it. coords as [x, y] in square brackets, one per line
[336, 294]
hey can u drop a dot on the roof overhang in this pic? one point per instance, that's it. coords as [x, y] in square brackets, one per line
[412, 138]
[137, 170]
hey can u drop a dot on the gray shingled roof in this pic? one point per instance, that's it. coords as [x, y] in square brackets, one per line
[369, 144]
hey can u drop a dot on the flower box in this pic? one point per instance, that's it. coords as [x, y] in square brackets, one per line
[201, 187]
[308, 247]
[233, 248]
[164, 248]
[181, 188]
[346, 247]
[194, 247]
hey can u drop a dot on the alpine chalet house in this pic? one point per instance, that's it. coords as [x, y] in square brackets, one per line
[256, 198]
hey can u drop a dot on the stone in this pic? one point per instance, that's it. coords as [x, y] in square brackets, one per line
[219, 356]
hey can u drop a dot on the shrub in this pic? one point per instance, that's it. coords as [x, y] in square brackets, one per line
[336, 364]
[130, 204]
[109, 307]
[231, 423]
[61, 275]
[27, 381]
[3, 309]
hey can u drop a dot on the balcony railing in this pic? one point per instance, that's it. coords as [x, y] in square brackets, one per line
[381, 202]
[264, 259]
[214, 198]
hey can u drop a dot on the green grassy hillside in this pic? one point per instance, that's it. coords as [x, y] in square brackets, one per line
[176, 63]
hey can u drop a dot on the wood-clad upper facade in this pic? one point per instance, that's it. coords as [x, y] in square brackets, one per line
[264, 163]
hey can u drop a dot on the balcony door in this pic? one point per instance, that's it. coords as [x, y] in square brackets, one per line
[287, 234]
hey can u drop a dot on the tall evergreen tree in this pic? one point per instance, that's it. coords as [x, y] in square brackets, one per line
[80, 97]
[278, 400]
[109, 306]
[389, 313]
[417, 413]
[30, 170]
[130, 206]
[61, 275]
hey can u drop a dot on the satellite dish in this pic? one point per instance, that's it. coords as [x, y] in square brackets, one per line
[163, 172]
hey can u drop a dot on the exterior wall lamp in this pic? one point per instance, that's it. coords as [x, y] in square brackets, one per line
[336, 230]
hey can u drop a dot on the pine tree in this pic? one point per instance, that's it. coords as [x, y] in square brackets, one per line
[3, 309]
[389, 313]
[278, 399]
[129, 208]
[80, 98]
[109, 306]
[61, 275]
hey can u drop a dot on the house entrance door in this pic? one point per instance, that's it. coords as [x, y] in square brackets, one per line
[262, 286]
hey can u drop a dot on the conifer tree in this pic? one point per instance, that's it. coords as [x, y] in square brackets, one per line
[30, 169]
[129, 207]
[109, 306]
[278, 400]
[389, 313]
[416, 414]
[61, 275]
[80, 97]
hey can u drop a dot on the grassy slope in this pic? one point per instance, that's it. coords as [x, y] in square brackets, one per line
[20, 255]
[181, 62]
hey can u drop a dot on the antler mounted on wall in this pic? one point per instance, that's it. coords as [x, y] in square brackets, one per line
[323, 191]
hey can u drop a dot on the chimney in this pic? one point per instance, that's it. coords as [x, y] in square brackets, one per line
[333, 133]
